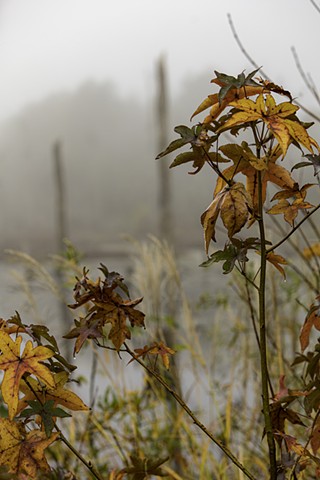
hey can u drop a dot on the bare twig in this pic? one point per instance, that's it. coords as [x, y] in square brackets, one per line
[262, 72]
[315, 5]
[305, 77]
[284, 239]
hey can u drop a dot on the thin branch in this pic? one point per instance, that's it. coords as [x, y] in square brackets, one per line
[216, 168]
[185, 407]
[307, 80]
[262, 72]
[315, 5]
[284, 239]
[243, 50]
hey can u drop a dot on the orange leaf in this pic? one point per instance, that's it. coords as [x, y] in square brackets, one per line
[164, 351]
[277, 261]
[312, 320]
[15, 365]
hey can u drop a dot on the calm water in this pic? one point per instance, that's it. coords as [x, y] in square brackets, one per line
[41, 305]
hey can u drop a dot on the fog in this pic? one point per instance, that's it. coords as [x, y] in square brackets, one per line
[109, 144]
[86, 78]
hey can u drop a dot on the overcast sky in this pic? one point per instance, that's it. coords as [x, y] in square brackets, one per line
[51, 45]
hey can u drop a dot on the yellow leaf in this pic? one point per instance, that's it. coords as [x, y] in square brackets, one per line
[278, 128]
[21, 451]
[312, 251]
[290, 211]
[243, 163]
[60, 395]
[213, 100]
[275, 117]
[235, 208]
[15, 365]
[299, 133]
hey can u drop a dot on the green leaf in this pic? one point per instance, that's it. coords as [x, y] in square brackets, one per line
[184, 158]
[214, 258]
[300, 165]
[315, 160]
[185, 132]
[180, 142]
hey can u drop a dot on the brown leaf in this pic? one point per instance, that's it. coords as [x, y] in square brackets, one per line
[209, 218]
[164, 351]
[85, 329]
[312, 320]
[277, 261]
[293, 445]
[315, 437]
[104, 305]
[119, 332]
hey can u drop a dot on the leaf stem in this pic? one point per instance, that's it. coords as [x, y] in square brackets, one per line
[185, 407]
[216, 168]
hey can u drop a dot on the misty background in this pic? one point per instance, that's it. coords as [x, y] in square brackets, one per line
[83, 73]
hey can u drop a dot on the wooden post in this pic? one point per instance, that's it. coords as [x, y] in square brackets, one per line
[61, 229]
[60, 195]
[165, 209]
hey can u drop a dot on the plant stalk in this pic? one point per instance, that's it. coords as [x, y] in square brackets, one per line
[263, 339]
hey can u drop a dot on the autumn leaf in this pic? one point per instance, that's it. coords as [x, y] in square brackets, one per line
[312, 320]
[142, 468]
[33, 390]
[15, 365]
[141, 352]
[243, 163]
[104, 305]
[235, 208]
[210, 216]
[85, 329]
[265, 109]
[164, 352]
[116, 475]
[5, 327]
[234, 205]
[315, 436]
[231, 88]
[277, 261]
[289, 210]
[21, 451]
[312, 251]
[293, 445]
[279, 414]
